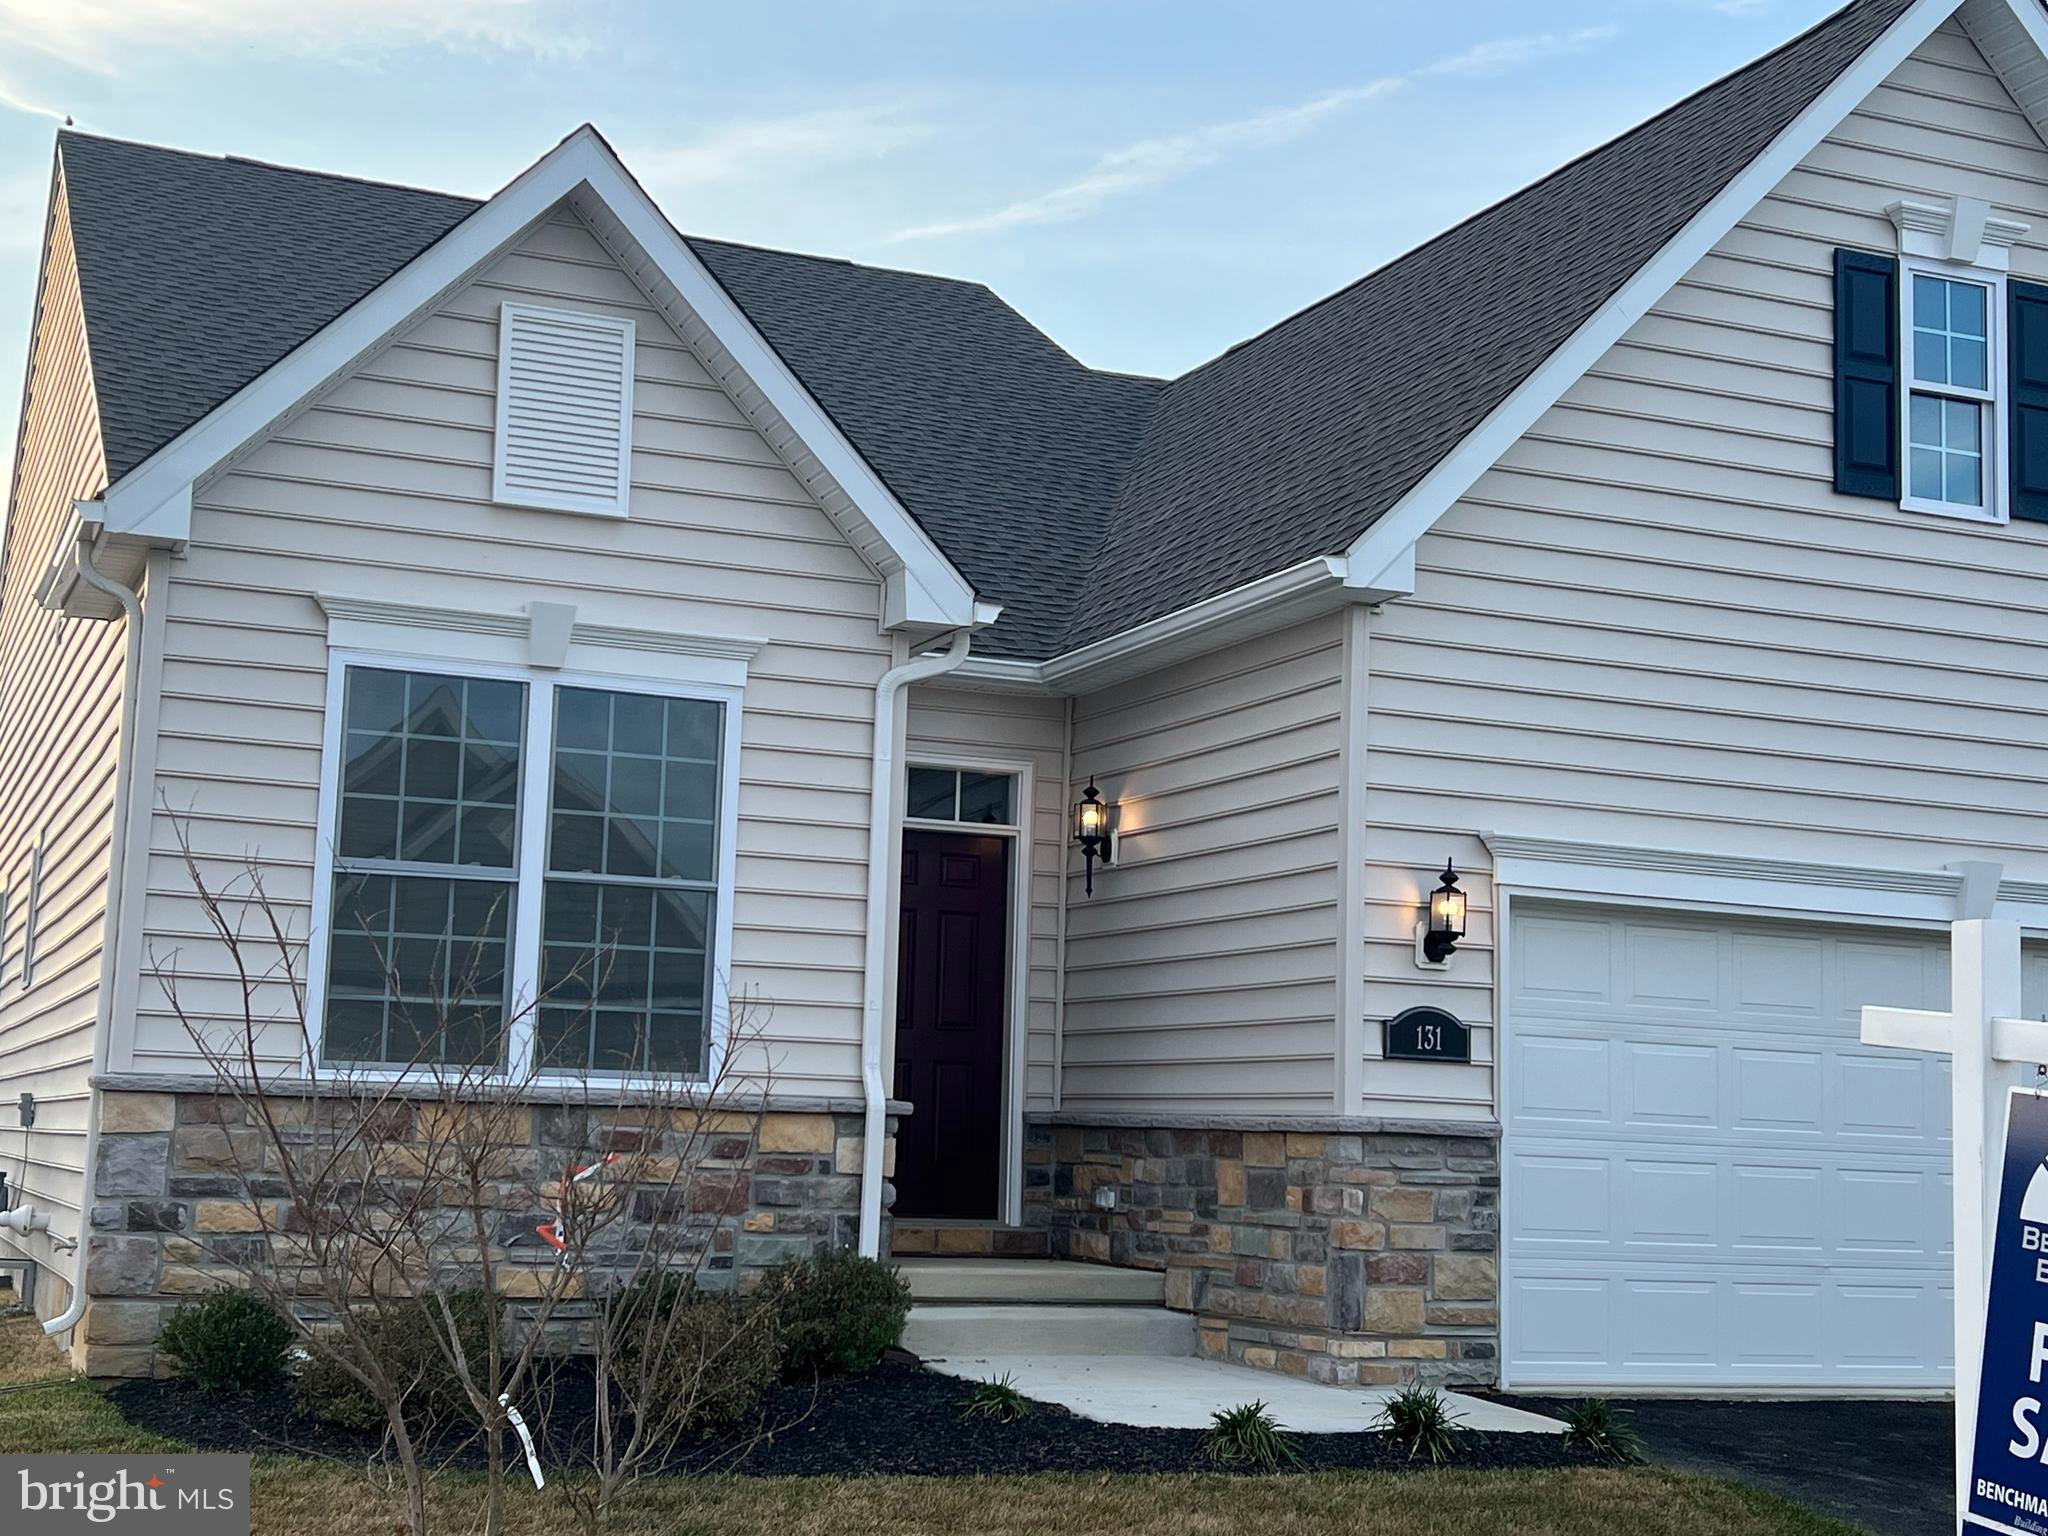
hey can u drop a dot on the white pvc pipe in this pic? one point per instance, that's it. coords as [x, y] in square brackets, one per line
[875, 956]
[131, 609]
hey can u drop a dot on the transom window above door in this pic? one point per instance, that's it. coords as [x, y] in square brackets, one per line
[526, 873]
[961, 794]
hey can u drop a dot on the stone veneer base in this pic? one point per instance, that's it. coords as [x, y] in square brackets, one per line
[1350, 1250]
[171, 1216]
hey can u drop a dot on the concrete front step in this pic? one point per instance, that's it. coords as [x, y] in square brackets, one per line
[968, 1331]
[1047, 1282]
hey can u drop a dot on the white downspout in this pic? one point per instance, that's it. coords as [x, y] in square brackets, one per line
[875, 957]
[131, 609]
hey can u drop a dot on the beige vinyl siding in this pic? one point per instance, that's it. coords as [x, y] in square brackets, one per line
[958, 725]
[60, 708]
[382, 489]
[1653, 622]
[1202, 974]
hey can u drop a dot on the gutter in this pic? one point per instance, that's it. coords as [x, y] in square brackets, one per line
[131, 610]
[1319, 585]
[875, 957]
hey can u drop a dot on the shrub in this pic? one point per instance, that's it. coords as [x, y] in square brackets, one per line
[1595, 1424]
[407, 1341]
[229, 1341]
[996, 1398]
[1420, 1419]
[1249, 1435]
[839, 1312]
[714, 1353]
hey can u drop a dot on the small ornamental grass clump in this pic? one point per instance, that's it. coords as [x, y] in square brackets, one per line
[1595, 1424]
[1249, 1435]
[229, 1341]
[839, 1312]
[1419, 1418]
[996, 1398]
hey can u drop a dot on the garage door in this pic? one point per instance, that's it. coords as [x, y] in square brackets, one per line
[1709, 1180]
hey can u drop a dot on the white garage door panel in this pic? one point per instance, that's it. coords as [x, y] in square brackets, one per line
[1710, 1180]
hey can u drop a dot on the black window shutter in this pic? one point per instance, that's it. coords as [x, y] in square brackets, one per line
[2027, 366]
[1867, 375]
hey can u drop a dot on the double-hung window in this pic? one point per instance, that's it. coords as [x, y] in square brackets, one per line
[525, 871]
[1951, 421]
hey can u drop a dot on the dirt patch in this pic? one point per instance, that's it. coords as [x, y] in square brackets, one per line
[27, 1353]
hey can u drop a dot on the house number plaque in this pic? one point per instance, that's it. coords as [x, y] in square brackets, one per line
[1427, 1034]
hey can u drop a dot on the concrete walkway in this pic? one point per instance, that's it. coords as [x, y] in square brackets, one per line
[1182, 1394]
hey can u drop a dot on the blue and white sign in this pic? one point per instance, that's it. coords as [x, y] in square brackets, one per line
[2008, 1486]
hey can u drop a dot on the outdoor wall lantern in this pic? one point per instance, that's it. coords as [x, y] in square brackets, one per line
[1094, 832]
[1437, 935]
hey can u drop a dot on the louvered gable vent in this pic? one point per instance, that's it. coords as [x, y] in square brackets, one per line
[565, 410]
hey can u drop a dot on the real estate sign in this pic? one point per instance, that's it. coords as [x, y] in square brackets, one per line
[2008, 1483]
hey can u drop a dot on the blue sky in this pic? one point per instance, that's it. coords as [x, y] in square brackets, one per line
[1148, 180]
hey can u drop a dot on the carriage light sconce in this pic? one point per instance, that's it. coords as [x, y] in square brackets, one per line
[1437, 935]
[1094, 832]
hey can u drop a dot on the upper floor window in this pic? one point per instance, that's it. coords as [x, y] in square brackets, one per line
[524, 871]
[1941, 367]
[565, 410]
[1951, 432]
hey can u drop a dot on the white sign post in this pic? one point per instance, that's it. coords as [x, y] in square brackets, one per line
[1985, 1038]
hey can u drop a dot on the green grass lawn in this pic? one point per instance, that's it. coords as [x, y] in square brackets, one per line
[304, 1498]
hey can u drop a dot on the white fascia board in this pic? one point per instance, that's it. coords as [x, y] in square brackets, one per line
[149, 496]
[933, 591]
[1432, 496]
[1301, 591]
[2013, 37]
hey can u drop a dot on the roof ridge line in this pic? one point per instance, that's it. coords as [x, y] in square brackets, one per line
[1525, 189]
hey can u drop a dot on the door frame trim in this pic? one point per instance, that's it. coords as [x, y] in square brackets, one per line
[1016, 952]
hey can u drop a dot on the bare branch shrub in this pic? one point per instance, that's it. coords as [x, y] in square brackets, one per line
[385, 1204]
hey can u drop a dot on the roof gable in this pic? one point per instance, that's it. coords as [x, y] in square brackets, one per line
[1091, 505]
[1325, 421]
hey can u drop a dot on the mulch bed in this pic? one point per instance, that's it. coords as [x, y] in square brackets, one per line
[897, 1420]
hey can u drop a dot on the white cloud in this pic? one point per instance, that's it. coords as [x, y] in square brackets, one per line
[1505, 53]
[12, 100]
[93, 34]
[1169, 157]
[748, 148]
[1150, 162]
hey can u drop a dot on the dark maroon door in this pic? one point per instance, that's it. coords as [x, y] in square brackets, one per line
[951, 951]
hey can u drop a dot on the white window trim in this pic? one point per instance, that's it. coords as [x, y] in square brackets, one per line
[1010, 771]
[530, 872]
[618, 506]
[1994, 400]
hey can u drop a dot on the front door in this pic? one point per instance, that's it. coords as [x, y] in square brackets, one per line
[951, 960]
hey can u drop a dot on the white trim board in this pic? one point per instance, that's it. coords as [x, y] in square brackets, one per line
[1017, 949]
[154, 498]
[1675, 877]
[1455, 474]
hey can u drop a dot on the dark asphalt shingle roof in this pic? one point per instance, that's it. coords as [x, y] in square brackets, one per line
[1085, 502]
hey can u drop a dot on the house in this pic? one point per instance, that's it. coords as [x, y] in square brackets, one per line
[1664, 548]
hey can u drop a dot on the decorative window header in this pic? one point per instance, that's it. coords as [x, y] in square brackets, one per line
[1962, 230]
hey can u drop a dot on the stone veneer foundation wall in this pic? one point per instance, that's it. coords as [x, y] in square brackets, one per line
[171, 1216]
[1348, 1251]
